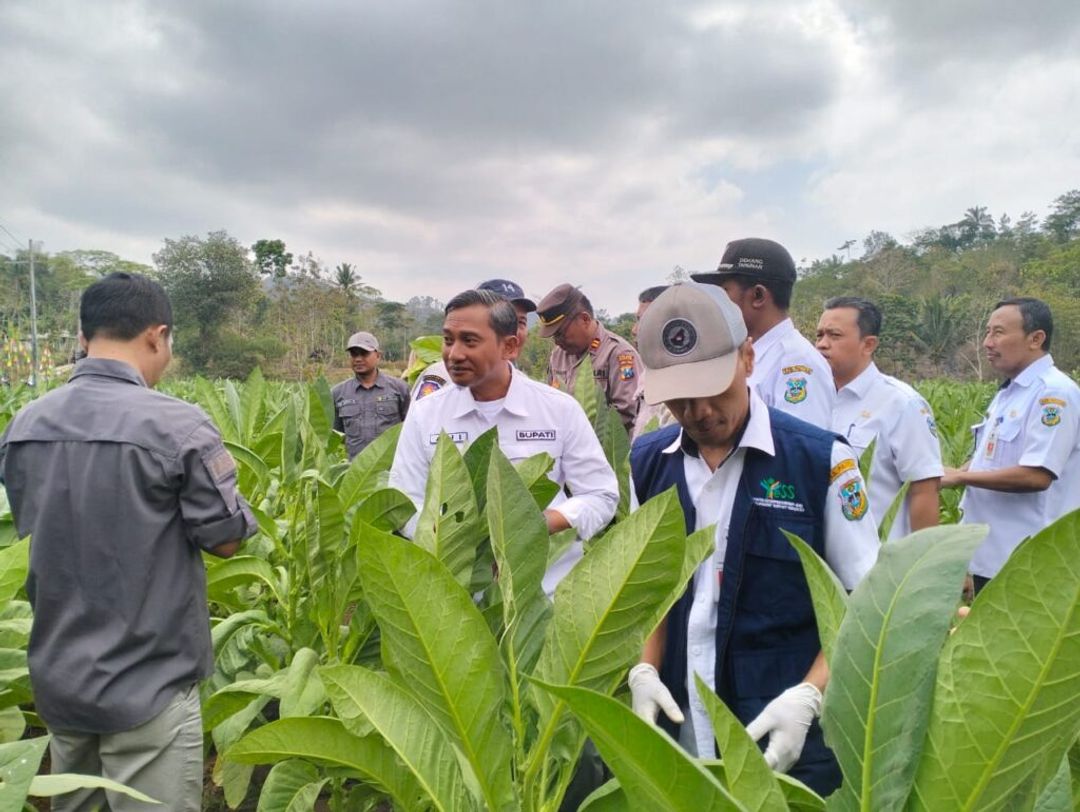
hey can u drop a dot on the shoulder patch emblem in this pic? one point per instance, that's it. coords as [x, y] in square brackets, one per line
[429, 385]
[796, 390]
[840, 469]
[1051, 414]
[930, 424]
[797, 368]
[853, 502]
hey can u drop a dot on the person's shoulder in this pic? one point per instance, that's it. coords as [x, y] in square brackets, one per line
[537, 391]
[395, 383]
[901, 392]
[339, 388]
[1054, 379]
[800, 355]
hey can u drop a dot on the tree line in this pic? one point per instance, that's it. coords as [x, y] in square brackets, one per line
[239, 306]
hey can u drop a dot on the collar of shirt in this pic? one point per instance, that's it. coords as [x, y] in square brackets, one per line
[1032, 372]
[863, 382]
[757, 433]
[108, 368]
[515, 401]
[776, 334]
[357, 385]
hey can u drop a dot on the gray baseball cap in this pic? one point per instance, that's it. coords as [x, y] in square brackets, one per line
[363, 341]
[689, 340]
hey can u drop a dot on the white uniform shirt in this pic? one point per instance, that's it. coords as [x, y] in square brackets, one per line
[1034, 421]
[907, 450]
[533, 417]
[851, 548]
[792, 376]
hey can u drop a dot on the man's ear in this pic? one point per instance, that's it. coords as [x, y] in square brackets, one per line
[83, 343]
[510, 347]
[157, 337]
[871, 344]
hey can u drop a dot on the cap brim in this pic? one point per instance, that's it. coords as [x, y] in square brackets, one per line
[711, 277]
[362, 347]
[701, 379]
[548, 330]
[528, 304]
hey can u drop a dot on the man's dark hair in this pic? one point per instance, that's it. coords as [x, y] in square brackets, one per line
[1035, 314]
[501, 314]
[868, 314]
[780, 290]
[650, 295]
[584, 305]
[121, 305]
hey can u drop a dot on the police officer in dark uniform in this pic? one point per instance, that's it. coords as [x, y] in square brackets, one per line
[369, 403]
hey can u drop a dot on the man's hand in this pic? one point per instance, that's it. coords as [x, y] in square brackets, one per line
[786, 721]
[952, 478]
[650, 695]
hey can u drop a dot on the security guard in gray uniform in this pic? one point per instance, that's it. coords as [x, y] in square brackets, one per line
[566, 315]
[122, 490]
[371, 401]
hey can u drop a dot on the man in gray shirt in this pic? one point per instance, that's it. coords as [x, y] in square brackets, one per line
[121, 489]
[371, 401]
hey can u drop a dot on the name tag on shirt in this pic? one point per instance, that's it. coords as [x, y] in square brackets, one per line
[457, 437]
[536, 434]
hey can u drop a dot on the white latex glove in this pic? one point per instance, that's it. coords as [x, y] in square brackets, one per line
[786, 720]
[650, 695]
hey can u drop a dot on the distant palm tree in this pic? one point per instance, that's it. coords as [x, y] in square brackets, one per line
[977, 225]
[346, 278]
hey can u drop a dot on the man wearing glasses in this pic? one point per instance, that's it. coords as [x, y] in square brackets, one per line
[566, 315]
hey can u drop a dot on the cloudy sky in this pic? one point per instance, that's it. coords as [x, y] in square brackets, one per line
[435, 144]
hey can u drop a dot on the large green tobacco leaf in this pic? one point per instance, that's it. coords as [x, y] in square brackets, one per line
[534, 473]
[436, 643]
[211, 400]
[654, 772]
[477, 459]
[826, 591]
[367, 472]
[253, 405]
[449, 524]
[14, 562]
[223, 576]
[519, 540]
[1005, 705]
[320, 408]
[613, 438]
[326, 741]
[745, 770]
[291, 786]
[49, 786]
[886, 524]
[586, 392]
[1057, 795]
[610, 602]
[18, 763]
[882, 672]
[386, 509]
[365, 699]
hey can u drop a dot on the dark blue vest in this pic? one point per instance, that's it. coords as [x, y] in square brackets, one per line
[766, 637]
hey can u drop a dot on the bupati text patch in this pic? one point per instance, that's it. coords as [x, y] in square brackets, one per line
[536, 434]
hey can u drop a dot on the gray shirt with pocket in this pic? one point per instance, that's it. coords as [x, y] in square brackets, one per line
[362, 413]
[120, 488]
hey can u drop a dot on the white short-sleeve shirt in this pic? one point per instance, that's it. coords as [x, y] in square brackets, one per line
[792, 376]
[1033, 421]
[851, 548]
[879, 406]
[532, 418]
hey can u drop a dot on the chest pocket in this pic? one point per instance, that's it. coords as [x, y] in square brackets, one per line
[389, 406]
[1002, 443]
[860, 439]
[348, 409]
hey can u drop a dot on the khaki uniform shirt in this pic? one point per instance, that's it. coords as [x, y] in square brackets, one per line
[363, 413]
[616, 369]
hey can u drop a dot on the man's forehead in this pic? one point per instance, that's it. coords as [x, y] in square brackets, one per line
[1007, 315]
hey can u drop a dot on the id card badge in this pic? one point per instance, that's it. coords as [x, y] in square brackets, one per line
[992, 439]
[718, 580]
